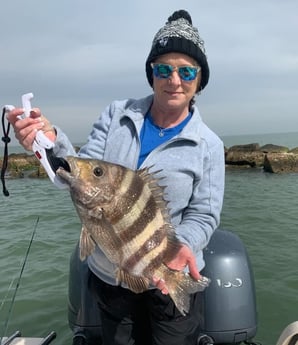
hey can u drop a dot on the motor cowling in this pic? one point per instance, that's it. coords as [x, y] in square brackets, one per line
[229, 303]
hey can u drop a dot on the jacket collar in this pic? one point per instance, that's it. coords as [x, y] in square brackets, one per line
[137, 109]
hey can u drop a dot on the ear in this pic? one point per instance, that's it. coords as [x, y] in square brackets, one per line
[199, 79]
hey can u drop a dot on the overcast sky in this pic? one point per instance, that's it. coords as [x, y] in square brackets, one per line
[76, 56]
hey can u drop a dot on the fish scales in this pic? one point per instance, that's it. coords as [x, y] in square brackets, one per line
[142, 256]
[142, 230]
[125, 214]
[145, 238]
[135, 210]
[128, 192]
[148, 215]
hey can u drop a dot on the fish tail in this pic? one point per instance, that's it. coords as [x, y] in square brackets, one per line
[180, 285]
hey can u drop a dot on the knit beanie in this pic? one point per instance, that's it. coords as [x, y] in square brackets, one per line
[179, 36]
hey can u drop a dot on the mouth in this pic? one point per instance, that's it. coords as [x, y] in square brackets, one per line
[173, 93]
[60, 166]
[63, 170]
[64, 176]
[57, 162]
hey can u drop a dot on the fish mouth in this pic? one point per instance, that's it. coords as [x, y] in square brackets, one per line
[57, 162]
[64, 169]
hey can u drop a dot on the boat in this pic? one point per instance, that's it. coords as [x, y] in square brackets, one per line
[17, 339]
[229, 313]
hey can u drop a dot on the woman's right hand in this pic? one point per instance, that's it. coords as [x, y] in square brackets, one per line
[25, 129]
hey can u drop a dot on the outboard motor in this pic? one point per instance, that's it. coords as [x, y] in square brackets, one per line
[229, 306]
[229, 310]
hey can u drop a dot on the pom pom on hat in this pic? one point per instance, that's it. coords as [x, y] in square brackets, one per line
[179, 36]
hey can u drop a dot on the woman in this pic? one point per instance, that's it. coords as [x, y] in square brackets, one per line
[164, 131]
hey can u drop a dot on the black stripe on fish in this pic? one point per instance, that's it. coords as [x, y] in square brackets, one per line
[160, 248]
[147, 216]
[173, 246]
[150, 244]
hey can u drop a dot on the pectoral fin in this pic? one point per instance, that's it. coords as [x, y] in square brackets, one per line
[87, 245]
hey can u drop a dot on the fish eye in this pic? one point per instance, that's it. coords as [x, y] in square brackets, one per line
[98, 171]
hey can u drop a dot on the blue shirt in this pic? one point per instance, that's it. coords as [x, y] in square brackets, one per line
[152, 135]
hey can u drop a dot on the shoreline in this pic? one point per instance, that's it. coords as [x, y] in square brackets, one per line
[270, 157]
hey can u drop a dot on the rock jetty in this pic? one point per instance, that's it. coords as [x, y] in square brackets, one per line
[23, 165]
[271, 158]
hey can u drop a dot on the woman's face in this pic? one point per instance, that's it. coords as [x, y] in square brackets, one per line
[174, 93]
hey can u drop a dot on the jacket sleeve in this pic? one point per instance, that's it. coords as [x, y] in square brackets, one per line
[63, 147]
[202, 216]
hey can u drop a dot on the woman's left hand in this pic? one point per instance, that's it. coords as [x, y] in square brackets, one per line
[184, 258]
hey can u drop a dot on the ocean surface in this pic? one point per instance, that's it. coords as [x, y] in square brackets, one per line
[261, 208]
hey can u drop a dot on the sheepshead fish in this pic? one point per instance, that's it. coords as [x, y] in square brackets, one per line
[124, 213]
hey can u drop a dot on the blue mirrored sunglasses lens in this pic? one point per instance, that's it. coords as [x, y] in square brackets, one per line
[162, 71]
[187, 73]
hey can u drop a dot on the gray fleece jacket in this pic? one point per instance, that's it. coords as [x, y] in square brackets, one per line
[192, 166]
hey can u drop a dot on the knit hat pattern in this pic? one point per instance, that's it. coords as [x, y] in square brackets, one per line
[180, 36]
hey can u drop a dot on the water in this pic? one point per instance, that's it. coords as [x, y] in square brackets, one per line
[41, 303]
[261, 208]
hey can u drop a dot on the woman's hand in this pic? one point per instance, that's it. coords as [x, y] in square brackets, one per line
[25, 129]
[184, 258]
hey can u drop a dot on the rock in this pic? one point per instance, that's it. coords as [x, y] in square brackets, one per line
[19, 164]
[294, 150]
[245, 148]
[274, 148]
[281, 163]
[22, 161]
[273, 158]
[38, 173]
[245, 155]
[251, 159]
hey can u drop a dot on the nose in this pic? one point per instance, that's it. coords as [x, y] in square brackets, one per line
[175, 77]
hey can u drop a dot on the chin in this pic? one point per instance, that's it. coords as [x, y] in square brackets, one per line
[174, 103]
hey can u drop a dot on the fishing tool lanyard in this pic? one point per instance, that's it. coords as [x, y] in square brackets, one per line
[6, 140]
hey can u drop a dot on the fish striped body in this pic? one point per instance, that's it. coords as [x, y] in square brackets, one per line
[124, 213]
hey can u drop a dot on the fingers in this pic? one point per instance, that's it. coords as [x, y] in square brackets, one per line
[13, 115]
[161, 285]
[47, 125]
[193, 270]
[185, 258]
[25, 129]
[35, 112]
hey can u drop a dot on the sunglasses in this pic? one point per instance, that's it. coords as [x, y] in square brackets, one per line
[164, 71]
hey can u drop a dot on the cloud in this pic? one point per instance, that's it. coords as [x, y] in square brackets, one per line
[77, 56]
